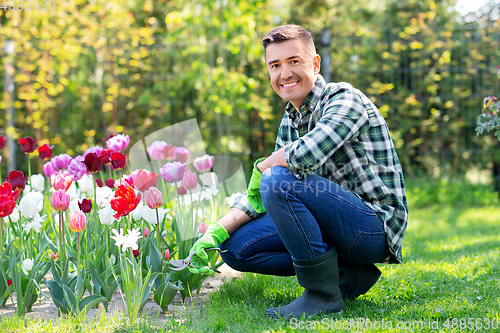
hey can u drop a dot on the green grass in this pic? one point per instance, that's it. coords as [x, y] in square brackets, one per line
[451, 271]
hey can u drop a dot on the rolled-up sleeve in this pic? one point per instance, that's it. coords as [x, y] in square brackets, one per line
[242, 204]
[343, 118]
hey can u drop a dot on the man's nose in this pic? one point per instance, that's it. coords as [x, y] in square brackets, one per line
[286, 72]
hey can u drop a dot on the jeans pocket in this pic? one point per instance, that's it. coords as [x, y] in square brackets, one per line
[369, 248]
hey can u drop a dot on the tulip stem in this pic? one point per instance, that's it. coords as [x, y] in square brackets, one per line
[61, 240]
[1, 234]
[29, 172]
[78, 259]
[158, 234]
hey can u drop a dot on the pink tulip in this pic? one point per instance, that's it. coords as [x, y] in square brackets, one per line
[172, 172]
[153, 197]
[60, 200]
[144, 179]
[157, 150]
[77, 221]
[77, 168]
[146, 232]
[61, 181]
[203, 227]
[53, 255]
[118, 142]
[204, 163]
[181, 154]
[189, 180]
[166, 254]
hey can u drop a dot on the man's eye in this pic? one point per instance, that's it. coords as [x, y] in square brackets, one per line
[274, 66]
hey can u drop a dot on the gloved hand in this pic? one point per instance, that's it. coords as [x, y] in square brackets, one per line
[214, 235]
[253, 191]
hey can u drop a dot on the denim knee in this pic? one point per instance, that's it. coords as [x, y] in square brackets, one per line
[275, 180]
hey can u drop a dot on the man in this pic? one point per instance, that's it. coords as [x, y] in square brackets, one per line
[329, 202]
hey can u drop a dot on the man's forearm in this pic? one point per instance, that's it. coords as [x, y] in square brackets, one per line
[276, 159]
[234, 219]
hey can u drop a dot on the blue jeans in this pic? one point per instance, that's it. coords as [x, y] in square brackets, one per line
[305, 219]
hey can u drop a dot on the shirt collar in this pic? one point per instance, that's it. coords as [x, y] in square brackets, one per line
[309, 103]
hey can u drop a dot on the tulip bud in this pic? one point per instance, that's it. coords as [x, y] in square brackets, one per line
[146, 232]
[167, 254]
[135, 253]
[153, 197]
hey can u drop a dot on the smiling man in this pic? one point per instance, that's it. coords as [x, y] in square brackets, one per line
[330, 201]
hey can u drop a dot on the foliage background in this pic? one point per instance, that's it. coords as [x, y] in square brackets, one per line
[93, 68]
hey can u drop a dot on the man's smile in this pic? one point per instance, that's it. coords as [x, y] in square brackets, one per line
[290, 84]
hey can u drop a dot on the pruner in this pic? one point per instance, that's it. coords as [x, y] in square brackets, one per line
[179, 265]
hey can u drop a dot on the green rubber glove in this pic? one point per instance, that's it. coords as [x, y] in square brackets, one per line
[253, 191]
[214, 235]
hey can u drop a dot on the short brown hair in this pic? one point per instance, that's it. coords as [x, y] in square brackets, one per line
[289, 32]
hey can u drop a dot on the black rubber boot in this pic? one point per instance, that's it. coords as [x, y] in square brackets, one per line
[320, 277]
[356, 279]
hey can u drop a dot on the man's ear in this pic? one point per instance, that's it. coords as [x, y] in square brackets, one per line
[316, 64]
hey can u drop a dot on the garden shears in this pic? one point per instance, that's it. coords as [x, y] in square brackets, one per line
[180, 264]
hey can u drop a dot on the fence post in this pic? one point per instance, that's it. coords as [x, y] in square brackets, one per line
[9, 103]
[326, 59]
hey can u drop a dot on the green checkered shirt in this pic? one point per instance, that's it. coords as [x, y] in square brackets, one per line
[339, 134]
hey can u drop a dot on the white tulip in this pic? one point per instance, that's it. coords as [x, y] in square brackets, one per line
[106, 215]
[28, 264]
[36, 224]
[29, 203]
[103, 196]
[72, 191]
[73, 205]
[137, 212]
[38, 182]
[209, 178]
[86, 184]
[15, 215]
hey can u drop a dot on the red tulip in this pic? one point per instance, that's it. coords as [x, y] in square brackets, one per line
[144, 179]
[2, 142]
[93, 162]
[181, 190]
[153, 197]
[27, 144]
[125, 201]
[166, 254]
[61, 181]
[17, 180]
[99, 182]
[135, 253]
[9, 282]
[60, 200]
[106, 153]
[110, 182]
[85, 205]
[8, 199]
[118, 160]
[45, 152]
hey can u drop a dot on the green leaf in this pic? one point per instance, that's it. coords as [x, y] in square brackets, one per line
[70, 299]
[56, 292]
[89, 301]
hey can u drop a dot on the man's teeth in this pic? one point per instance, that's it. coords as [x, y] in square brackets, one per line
[289, 84]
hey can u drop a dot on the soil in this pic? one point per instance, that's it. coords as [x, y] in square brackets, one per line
[44, 308]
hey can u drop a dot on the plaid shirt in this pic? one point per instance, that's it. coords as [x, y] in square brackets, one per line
[339, 134]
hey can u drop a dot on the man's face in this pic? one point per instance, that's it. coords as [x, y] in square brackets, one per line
[292, 70]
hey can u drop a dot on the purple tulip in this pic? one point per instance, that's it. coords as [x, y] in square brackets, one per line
[172, 172]
[48, 169]
[204, 163]
[118, 143]
[77, 168]
[61, 162]
[189, 180]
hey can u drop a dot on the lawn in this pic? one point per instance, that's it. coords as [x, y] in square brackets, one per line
[449, 281]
